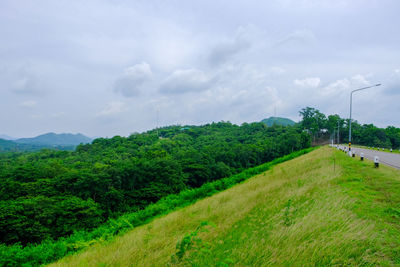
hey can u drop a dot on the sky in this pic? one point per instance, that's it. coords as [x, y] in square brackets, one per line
[108, 67]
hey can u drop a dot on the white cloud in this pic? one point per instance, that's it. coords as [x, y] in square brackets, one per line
[227, 48]
[344, 85]
[140, 71]
[359, 80]
[25, 79]
[240, 91]
[112, 108]
[308, 82]
[132, 80]
[28, 104]
[303, 36]
[26, 84]
[184, 81]
[336, 87]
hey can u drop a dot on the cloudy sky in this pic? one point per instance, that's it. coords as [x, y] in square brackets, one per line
[108, 67]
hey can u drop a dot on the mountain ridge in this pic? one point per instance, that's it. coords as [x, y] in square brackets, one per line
[64, 141]
[6, 137]
[56, 139]
[278, 121]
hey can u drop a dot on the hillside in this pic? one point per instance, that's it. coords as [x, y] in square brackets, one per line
[52, 139]
[52, 194]
[6, 145]
[322, 208]
[278, 121]
[6, 137]
[48, 141]
[12, 146]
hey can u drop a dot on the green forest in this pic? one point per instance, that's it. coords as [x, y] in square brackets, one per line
[50, 194]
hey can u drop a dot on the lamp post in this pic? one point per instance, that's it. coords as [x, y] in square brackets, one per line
[351, 105]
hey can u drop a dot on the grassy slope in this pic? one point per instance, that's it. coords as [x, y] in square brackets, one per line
[300, 212]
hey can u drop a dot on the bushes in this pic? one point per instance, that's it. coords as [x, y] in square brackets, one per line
[49, 250]
[30, 219]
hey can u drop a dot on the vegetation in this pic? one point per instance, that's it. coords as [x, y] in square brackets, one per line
[301, 212]
[54, 203]
[50, 194]
[50, 250]
[53, 139]
[278, 121]
[7, 146]
[45, 141]
[320, 125]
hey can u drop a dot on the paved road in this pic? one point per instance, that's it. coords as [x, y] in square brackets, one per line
[387, 158]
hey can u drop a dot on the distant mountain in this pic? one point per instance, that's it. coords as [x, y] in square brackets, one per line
[6, 137]
[278, 121]
[6, 145]
[49, 141]
[52, 139]
[12, 146]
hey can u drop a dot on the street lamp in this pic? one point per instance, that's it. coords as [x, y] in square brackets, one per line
[351, 104]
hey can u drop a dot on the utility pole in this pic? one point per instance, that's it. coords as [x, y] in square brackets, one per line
[351, 106]
[338, 130]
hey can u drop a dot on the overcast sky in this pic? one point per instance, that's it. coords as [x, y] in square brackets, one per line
[105, 68]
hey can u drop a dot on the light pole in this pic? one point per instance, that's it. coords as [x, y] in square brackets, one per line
[351, 105]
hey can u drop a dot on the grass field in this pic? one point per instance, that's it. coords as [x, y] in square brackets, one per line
[322, 208]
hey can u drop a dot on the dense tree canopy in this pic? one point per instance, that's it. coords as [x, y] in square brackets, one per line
[49, 194]
[367, 134]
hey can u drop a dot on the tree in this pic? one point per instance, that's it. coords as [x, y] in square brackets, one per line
[313, 120]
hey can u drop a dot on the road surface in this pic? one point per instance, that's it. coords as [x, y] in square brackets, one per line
[387, 158]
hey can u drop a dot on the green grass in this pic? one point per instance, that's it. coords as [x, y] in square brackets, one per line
[322, 208]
